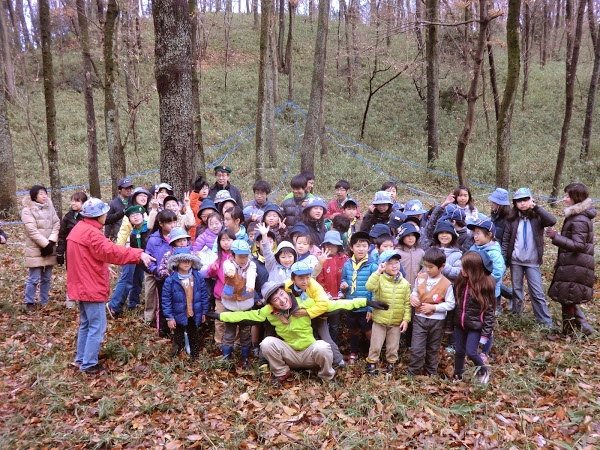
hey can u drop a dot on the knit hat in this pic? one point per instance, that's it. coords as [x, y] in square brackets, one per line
[500, 197]
[333, 237]
[387, 255]
[94, 207]
[522, 193]
[397, 218]
[443, 226]
[222, 196]
[33, 192]
[124, 183]
[486, 224]
[269, 288]
[273, 207]
[301, 268]
[359, 235]
[240, 247]
[176, 234]
[382, 198]
[183, 254]
[134, 209]
[406, 229]
[379, 229]
[414, 207]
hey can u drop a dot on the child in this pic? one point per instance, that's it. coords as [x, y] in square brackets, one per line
[206, 209]
[357, 271]
[432, 298]
[392, 188]
[224, 201]
[499, 211]
[464, 200]
[397, 218]
[208, 238]
[273, 218]
[350, 210]
[252, 229]
[312, 217]
[157, 246]
[224, 241]
[279, 263]
[66, 225]
[474, 316]
[238, 295]
[178, 238]
[380, 213]
[185, 219]
[342, 193]
[232, 220]
[523, 249]
[292, 207]
[388, 286]
[197, 197]
[159, 192]
[341, 224]
[117, 208]
[409, 250]
[184, 300]
[382, 243]
[414, 212]
[305, 249]
[255, 208]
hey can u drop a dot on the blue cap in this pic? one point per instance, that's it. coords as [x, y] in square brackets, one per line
[240, 247]
[414, 207]
[207, 203]
[349, 201]
[486, 224]
[300, 227]
[333, 237]
[397, 218]
[94, 207]
[382, 198]
[406, 229]
[522, 193]
[273, 207]
[453, 212]
[500, 197]
[443, 226]
[301, 268]
[125, 183]
[379, 229]
[315, 201]
[387, 255]
[222, 196]
[176, 234]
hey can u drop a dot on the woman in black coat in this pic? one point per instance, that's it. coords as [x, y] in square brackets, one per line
[573, 281]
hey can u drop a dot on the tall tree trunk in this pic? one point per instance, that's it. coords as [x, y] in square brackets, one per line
[510, 94]
[493, 78]
[51, 132]
[8, 181]
[272, 96]
[256, 20]
[313, 121]
[90, 115]
[544, 40]
[591, 100]
[526, 46]
[196, 74]
[463, 140]
[23, 23]
[173, 71]
[418, 20]
[571, 64]
[433, 85]
[288, 51]
[349, 60]
[9, 68]
[35, 23]
[263, 67]
[114, 145]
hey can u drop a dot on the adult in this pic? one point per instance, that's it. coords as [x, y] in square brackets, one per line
[222, 174]
[41, 235]
[89, 253]
[573, 280]
[118, 205]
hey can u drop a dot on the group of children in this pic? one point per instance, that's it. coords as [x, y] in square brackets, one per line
[432, 273]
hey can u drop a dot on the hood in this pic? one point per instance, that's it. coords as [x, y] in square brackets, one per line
[585, 207]
[28, 203]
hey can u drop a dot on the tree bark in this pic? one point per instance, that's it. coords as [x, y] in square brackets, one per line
[51, 132]
[288, 50]
[313, 120]
[8, 181]
[196, 74]
[90, 115]
[349, 60]
[493, 78]
[9, 68]
[526, 46]
[510, 94]
[433, 85]
[570, 78]
[24, 30]
[463, 140]
[591, 100]
[173, 71]
[263, 67]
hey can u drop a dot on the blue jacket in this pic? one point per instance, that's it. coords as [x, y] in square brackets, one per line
[156, 247]
[173, 299]
[495, 253]
[361, 291]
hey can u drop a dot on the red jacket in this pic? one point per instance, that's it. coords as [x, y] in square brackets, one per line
[195, 203]
[330, 276]
[89, 253]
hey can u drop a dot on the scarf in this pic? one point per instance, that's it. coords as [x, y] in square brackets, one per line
[355, 268]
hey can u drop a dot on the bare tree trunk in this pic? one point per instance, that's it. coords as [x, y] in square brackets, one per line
[272, 95]
[8, 181]
[255, 23]
[35, 23]
[23, 23]
[51, 132]
[349, 60]
[433, 84]
[591, 100]
[173, 71]
[493, 78]
[526, 45]
[9, 69]
[90, 115]
[573, 44]
[354, 19]
[544, 40]
[556, 31]
[265, 14]
[313, 120]
[196, 74]
[510, 94]
[418, 20]
[463, 140]
[114, 145]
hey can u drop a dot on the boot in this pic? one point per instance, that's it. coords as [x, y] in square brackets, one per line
[226, 353]
[582, 322]
[245, 354]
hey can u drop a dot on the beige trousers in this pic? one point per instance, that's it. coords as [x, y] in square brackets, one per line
[282, 357]
[150, 306]
[380, 334]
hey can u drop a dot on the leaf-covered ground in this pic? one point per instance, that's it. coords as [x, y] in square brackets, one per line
[542, 394]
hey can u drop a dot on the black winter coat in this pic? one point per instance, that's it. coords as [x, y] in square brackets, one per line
[573, 281]
[468, 314]
[66, 225]
[292, 210]
[542, 220]
[114, 217]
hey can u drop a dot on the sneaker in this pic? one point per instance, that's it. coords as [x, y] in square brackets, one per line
[390, 367]
[255, 351]
[75, 364]
[98, 368]
[353, 358]
[340, 366]
[111, 312]
[263, 368]
[457, 379]
[483, 378]
[275, 380]
[372, 369]
[450, 349]
[30, 307]
[484, 358]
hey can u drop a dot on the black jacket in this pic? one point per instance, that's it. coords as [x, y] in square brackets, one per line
[468, 314]
[114, 217]
[66, 225]
[542, 220]
[233, 191]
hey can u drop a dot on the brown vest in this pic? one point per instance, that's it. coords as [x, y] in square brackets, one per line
[235, 288]
[437, 294]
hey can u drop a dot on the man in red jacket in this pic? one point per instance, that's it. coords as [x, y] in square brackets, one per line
[89, 253]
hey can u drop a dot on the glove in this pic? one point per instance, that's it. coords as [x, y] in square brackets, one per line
[212, 315]
[60, 259]
[376, 304]
[48, 249]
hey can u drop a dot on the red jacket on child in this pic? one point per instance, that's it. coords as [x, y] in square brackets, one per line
[331, 274]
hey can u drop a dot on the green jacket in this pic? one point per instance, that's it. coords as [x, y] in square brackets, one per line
[298, 332]
[394, 293]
